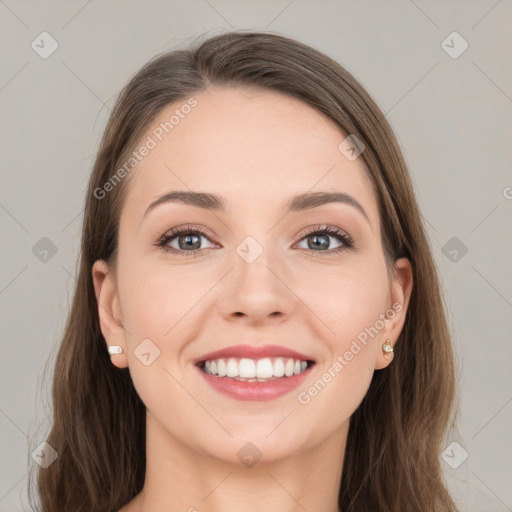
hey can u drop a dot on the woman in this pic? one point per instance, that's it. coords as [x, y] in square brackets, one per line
[257, 322]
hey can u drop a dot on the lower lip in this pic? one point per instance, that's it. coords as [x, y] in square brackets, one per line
[256, 391]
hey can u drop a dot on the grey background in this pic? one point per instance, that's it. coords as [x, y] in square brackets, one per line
[451, 115]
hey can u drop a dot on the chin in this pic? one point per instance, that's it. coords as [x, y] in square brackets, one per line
[255, 449]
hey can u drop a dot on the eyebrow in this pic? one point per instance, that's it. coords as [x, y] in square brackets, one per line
[300, 202]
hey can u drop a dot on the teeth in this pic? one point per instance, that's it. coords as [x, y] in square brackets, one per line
[252, 370]
[264, 368]
[246, 369]
[279, 367]
[221, 368]
[288, 367]
[232, 368]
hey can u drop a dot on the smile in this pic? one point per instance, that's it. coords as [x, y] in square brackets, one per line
[252, 370]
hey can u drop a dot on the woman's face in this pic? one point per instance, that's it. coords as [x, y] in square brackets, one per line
[262, 275]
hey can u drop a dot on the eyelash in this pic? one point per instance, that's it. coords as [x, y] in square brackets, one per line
[340, 235]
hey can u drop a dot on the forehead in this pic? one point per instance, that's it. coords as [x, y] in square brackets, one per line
[251, 147]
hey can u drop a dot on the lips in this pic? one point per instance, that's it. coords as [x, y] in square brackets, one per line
[245, 389]
[250, 352]
[254, 391]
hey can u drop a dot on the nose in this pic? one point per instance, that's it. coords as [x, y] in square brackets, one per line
[256, 292]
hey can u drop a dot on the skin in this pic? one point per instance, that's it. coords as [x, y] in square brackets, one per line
[256, 149]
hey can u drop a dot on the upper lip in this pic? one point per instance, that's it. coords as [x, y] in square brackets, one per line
[250, 352]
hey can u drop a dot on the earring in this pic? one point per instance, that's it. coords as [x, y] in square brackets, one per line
[115, 349]
[387, 347]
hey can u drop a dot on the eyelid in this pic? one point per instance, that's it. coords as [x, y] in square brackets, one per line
[183, 228]
[189, 227]
[327, 228]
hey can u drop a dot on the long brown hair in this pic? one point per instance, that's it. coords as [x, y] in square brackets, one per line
[392, 459]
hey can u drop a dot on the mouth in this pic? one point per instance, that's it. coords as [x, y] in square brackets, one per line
[266, 369]
[254, 373]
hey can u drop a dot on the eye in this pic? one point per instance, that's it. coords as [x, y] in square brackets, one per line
[317, 239]
[188, 240]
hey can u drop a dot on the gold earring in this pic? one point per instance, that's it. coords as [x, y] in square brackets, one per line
[115, 349]
[387, 347]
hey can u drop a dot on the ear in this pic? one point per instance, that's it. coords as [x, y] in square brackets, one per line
[109, 311]
[401, 289]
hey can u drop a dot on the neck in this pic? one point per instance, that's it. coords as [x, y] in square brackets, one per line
[180, 478]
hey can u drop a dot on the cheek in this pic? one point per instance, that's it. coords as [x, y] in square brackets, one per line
[158, 300]
[337, 301]
[158, 303]
[349, 304]
[347, 299]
